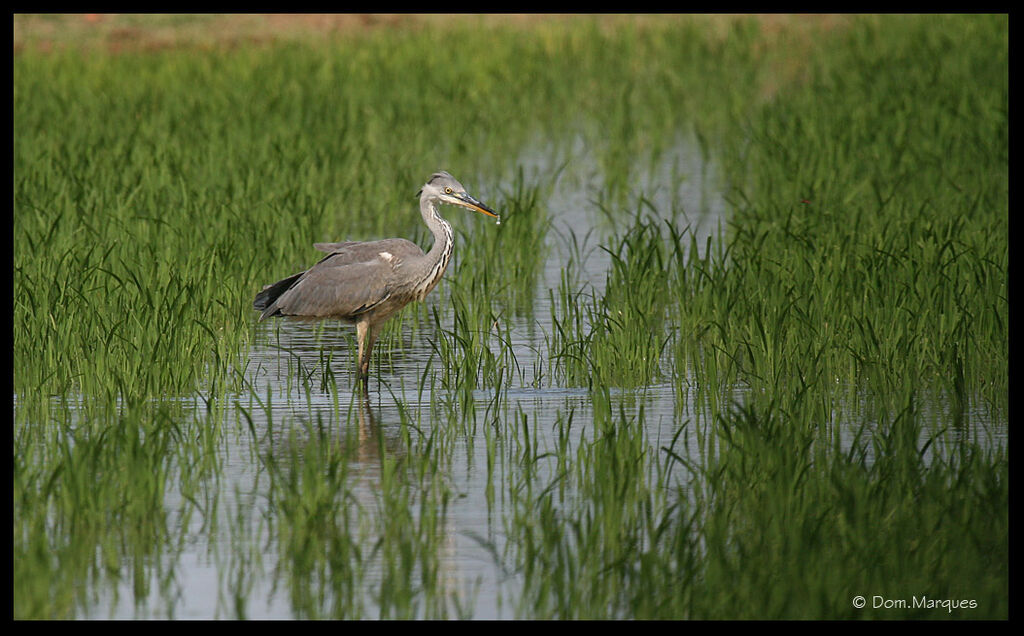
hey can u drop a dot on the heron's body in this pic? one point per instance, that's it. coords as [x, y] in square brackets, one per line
[367, 283]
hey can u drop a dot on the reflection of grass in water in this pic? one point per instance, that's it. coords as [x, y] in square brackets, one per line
[155, 192]
[777, 522]
[617, 339]
[80, 541]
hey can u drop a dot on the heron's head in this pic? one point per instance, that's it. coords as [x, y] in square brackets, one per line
[443, 187]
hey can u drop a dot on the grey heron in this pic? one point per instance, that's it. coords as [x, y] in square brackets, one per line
[367, 283]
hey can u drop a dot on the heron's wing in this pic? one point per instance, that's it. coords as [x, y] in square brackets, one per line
[266, 297]
[330, 248]
[348, 282]
[342, 292]
[355, 251]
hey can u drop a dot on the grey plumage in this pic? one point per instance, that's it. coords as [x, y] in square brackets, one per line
[367, 282]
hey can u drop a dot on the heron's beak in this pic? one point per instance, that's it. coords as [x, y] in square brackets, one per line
[467, 201]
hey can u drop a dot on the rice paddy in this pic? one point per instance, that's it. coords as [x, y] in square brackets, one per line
[738, 349]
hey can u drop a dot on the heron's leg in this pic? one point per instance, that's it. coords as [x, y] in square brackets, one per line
[367, 336]
[362, 330]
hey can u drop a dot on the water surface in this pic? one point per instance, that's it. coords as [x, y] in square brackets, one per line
[299, 383]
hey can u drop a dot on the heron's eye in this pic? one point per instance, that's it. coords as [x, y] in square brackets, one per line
[447, 190]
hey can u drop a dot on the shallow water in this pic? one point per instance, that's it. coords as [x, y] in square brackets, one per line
[299, 381]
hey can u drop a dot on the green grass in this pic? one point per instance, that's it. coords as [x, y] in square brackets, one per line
[837, 354]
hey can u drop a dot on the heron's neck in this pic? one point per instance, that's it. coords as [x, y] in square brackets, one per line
[444, 241]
